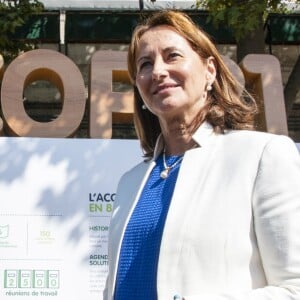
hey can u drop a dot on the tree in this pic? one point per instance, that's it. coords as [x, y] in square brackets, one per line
[13, 14]
[246, 19]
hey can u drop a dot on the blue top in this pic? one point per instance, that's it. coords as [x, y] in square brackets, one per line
[137, 269]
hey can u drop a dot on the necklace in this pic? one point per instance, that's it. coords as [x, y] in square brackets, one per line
[165, 172]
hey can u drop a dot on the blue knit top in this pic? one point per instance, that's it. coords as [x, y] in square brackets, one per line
[137, 269]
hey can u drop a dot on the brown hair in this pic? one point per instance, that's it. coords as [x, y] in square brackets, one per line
[225, 108]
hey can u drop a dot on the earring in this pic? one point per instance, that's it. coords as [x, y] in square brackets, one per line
[208, 87]
[144, 107]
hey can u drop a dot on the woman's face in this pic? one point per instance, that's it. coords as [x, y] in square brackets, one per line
[171, 76]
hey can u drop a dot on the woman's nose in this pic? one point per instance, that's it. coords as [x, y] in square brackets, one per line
[159, 70]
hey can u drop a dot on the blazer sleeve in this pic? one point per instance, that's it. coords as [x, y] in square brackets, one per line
[276, 213]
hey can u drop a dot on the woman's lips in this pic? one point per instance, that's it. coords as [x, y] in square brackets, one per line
[164, 87]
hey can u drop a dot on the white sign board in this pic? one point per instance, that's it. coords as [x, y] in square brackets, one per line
[56, 196]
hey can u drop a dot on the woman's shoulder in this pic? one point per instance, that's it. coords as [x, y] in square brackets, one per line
[253, 136]
[256, 140]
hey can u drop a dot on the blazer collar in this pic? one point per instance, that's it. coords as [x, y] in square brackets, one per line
[202, 136]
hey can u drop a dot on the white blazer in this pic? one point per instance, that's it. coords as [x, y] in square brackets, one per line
[233, 226]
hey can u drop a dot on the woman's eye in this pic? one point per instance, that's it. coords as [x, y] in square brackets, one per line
[144, 65]
[174, 55]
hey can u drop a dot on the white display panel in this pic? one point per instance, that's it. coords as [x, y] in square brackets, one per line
[56, 196]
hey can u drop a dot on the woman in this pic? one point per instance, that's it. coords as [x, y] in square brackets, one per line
[213, 212]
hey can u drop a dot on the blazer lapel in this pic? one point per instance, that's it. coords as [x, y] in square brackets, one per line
[191, 176]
